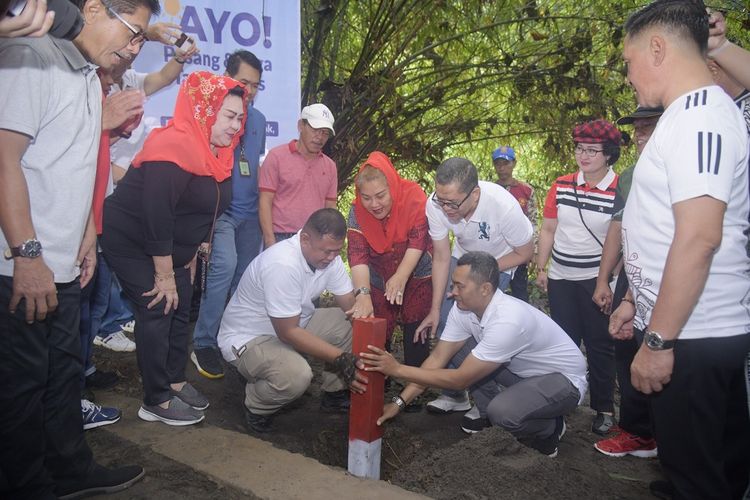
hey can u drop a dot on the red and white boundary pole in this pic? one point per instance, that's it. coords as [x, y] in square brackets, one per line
[365, 437]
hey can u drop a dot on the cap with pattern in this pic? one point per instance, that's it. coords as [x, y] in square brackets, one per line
[596, 132]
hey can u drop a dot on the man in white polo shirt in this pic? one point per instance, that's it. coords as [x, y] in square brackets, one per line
[523, 370]
[684, 246]
[271, 322]
[482, 217]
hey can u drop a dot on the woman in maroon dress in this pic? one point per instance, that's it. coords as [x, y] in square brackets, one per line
[390, 252]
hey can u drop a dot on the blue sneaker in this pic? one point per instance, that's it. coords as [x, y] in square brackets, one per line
[97, 416]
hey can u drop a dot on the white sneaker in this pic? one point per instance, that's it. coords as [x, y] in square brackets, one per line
[115, 342]
[472, 414]
[128, 327]
[447, 404]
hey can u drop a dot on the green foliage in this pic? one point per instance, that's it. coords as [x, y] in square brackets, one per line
[425, 80]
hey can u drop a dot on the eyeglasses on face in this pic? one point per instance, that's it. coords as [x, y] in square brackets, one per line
[451, 204]
[590, 152]
[139, 36]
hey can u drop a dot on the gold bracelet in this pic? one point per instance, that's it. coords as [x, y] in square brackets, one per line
[625, 299]
[163, 277]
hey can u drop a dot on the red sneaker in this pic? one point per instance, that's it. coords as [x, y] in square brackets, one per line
[626, 443]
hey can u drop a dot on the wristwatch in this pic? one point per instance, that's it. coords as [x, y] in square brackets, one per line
[398, 401]
[654, 341]
[362, 290]
[30, 249]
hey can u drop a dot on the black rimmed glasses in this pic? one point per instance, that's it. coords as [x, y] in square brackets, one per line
[590, 152]
[139, 36]
[451, 204]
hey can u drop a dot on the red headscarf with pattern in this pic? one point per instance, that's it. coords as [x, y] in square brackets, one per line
[407, 210]
[184, 141]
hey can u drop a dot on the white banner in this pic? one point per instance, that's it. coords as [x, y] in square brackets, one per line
[270, 29]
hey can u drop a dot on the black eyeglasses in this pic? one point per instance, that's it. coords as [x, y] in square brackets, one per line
[590, 152]
[451, 204]
[139, 36]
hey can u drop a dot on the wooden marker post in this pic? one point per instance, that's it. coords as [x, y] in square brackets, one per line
[365, 437]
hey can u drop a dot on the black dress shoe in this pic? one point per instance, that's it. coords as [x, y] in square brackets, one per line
[257, 423]
[102, 480]
[102, 380]
[336, 402]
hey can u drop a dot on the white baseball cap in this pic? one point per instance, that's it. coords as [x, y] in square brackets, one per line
[318, 116]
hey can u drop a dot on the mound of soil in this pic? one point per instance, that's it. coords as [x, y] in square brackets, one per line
[426, 453]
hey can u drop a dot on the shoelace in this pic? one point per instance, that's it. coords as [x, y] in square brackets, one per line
[87, 405]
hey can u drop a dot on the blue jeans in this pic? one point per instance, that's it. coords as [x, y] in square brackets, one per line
[95, 301]
[236, 242]
[119, 311]
[445, 308]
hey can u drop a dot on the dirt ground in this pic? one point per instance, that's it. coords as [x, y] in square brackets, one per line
[422, 452]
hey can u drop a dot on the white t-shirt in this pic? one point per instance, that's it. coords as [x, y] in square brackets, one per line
[699, 147]
[50, 93]
[511, 331]
[497, 225]
[278, 283]
[131, 79]
[124, 150]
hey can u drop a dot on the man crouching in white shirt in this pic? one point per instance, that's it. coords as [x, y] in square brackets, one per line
[271, 323]
[523, 371]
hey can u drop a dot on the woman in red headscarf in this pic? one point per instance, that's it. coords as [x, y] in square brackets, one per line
[154, 222]
[390, 252]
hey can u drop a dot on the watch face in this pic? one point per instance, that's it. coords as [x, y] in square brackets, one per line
[653, 341]
[31, 248]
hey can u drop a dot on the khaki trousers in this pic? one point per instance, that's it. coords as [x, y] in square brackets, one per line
[277, 374]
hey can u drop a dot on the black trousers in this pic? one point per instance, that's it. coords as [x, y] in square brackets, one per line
[41, 429]
[161, 339]
[519, 284]
[635, 411]
[701, 420]
[414, 354]
[571, 307]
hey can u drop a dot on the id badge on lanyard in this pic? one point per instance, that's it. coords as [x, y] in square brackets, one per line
[244, 165]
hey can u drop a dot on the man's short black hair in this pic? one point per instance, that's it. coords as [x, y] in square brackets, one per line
[687, 18]
[483, 268]
[129, 6]
[459, 171]
[239, 56]
[238, 91]
[326, 222]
